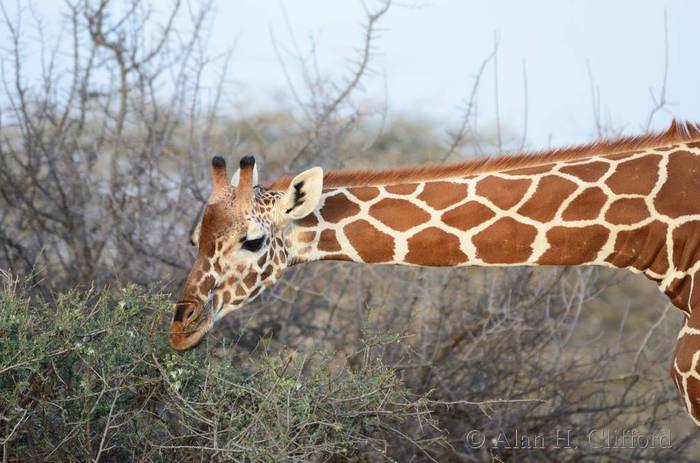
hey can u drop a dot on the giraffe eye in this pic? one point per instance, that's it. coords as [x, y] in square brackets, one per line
[253, 245]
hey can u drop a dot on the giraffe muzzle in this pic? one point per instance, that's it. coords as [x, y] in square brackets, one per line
[190, 324]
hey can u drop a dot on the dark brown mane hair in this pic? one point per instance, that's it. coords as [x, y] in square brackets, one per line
[678, 132]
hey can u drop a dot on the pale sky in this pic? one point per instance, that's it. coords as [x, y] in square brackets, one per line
[429, 52]
[429, 55]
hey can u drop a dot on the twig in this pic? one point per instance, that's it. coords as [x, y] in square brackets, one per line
[343, 94]
[107, 426]
[660, 103]
[465, 124]
[647, 336]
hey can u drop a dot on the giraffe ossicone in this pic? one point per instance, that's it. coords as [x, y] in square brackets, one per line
[632, 203]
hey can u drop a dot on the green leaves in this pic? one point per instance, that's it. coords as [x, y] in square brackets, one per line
[83, 371]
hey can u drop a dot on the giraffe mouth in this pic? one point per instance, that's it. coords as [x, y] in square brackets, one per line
[185, 335]
[185, 339]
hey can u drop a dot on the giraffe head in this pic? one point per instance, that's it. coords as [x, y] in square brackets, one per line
[242, 243]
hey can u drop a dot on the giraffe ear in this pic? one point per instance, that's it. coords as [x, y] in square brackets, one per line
[302, 195]
[237, 177]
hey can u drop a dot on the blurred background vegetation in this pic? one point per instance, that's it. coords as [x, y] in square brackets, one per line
[103, 174]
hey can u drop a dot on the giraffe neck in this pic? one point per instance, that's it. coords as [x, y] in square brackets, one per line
[628, 210]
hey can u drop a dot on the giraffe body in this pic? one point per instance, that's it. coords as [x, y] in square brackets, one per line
[632, 204]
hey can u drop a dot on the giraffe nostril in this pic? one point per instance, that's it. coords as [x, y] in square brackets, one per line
[185, 311]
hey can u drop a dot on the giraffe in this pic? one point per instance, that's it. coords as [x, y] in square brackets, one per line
[631, 203]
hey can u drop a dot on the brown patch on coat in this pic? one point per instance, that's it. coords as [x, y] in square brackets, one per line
[692, 387]
[344, 257]
[506, 241]
[586, 206]
[328, 241]
[266, 273]
[620, 156]
[666, 148]
[337, 207]
[588, 172]
[636, 176]
[530, 170]
[626, 211]
[309, 221]
[440, 195]
[434, 247]
[206, 285]
[398, 214]
[307, 236]
[371, 244]
[574, 245]
[678, 195]
[642, 248]
[401, 189]
[468, 215]
[694, 298]
[686, 244]
[366, 193]
[550, 194]
[250, 279]
[679, 293]
[685, 349]
[504, 193]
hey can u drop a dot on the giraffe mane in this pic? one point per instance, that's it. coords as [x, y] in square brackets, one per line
[678, 132]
